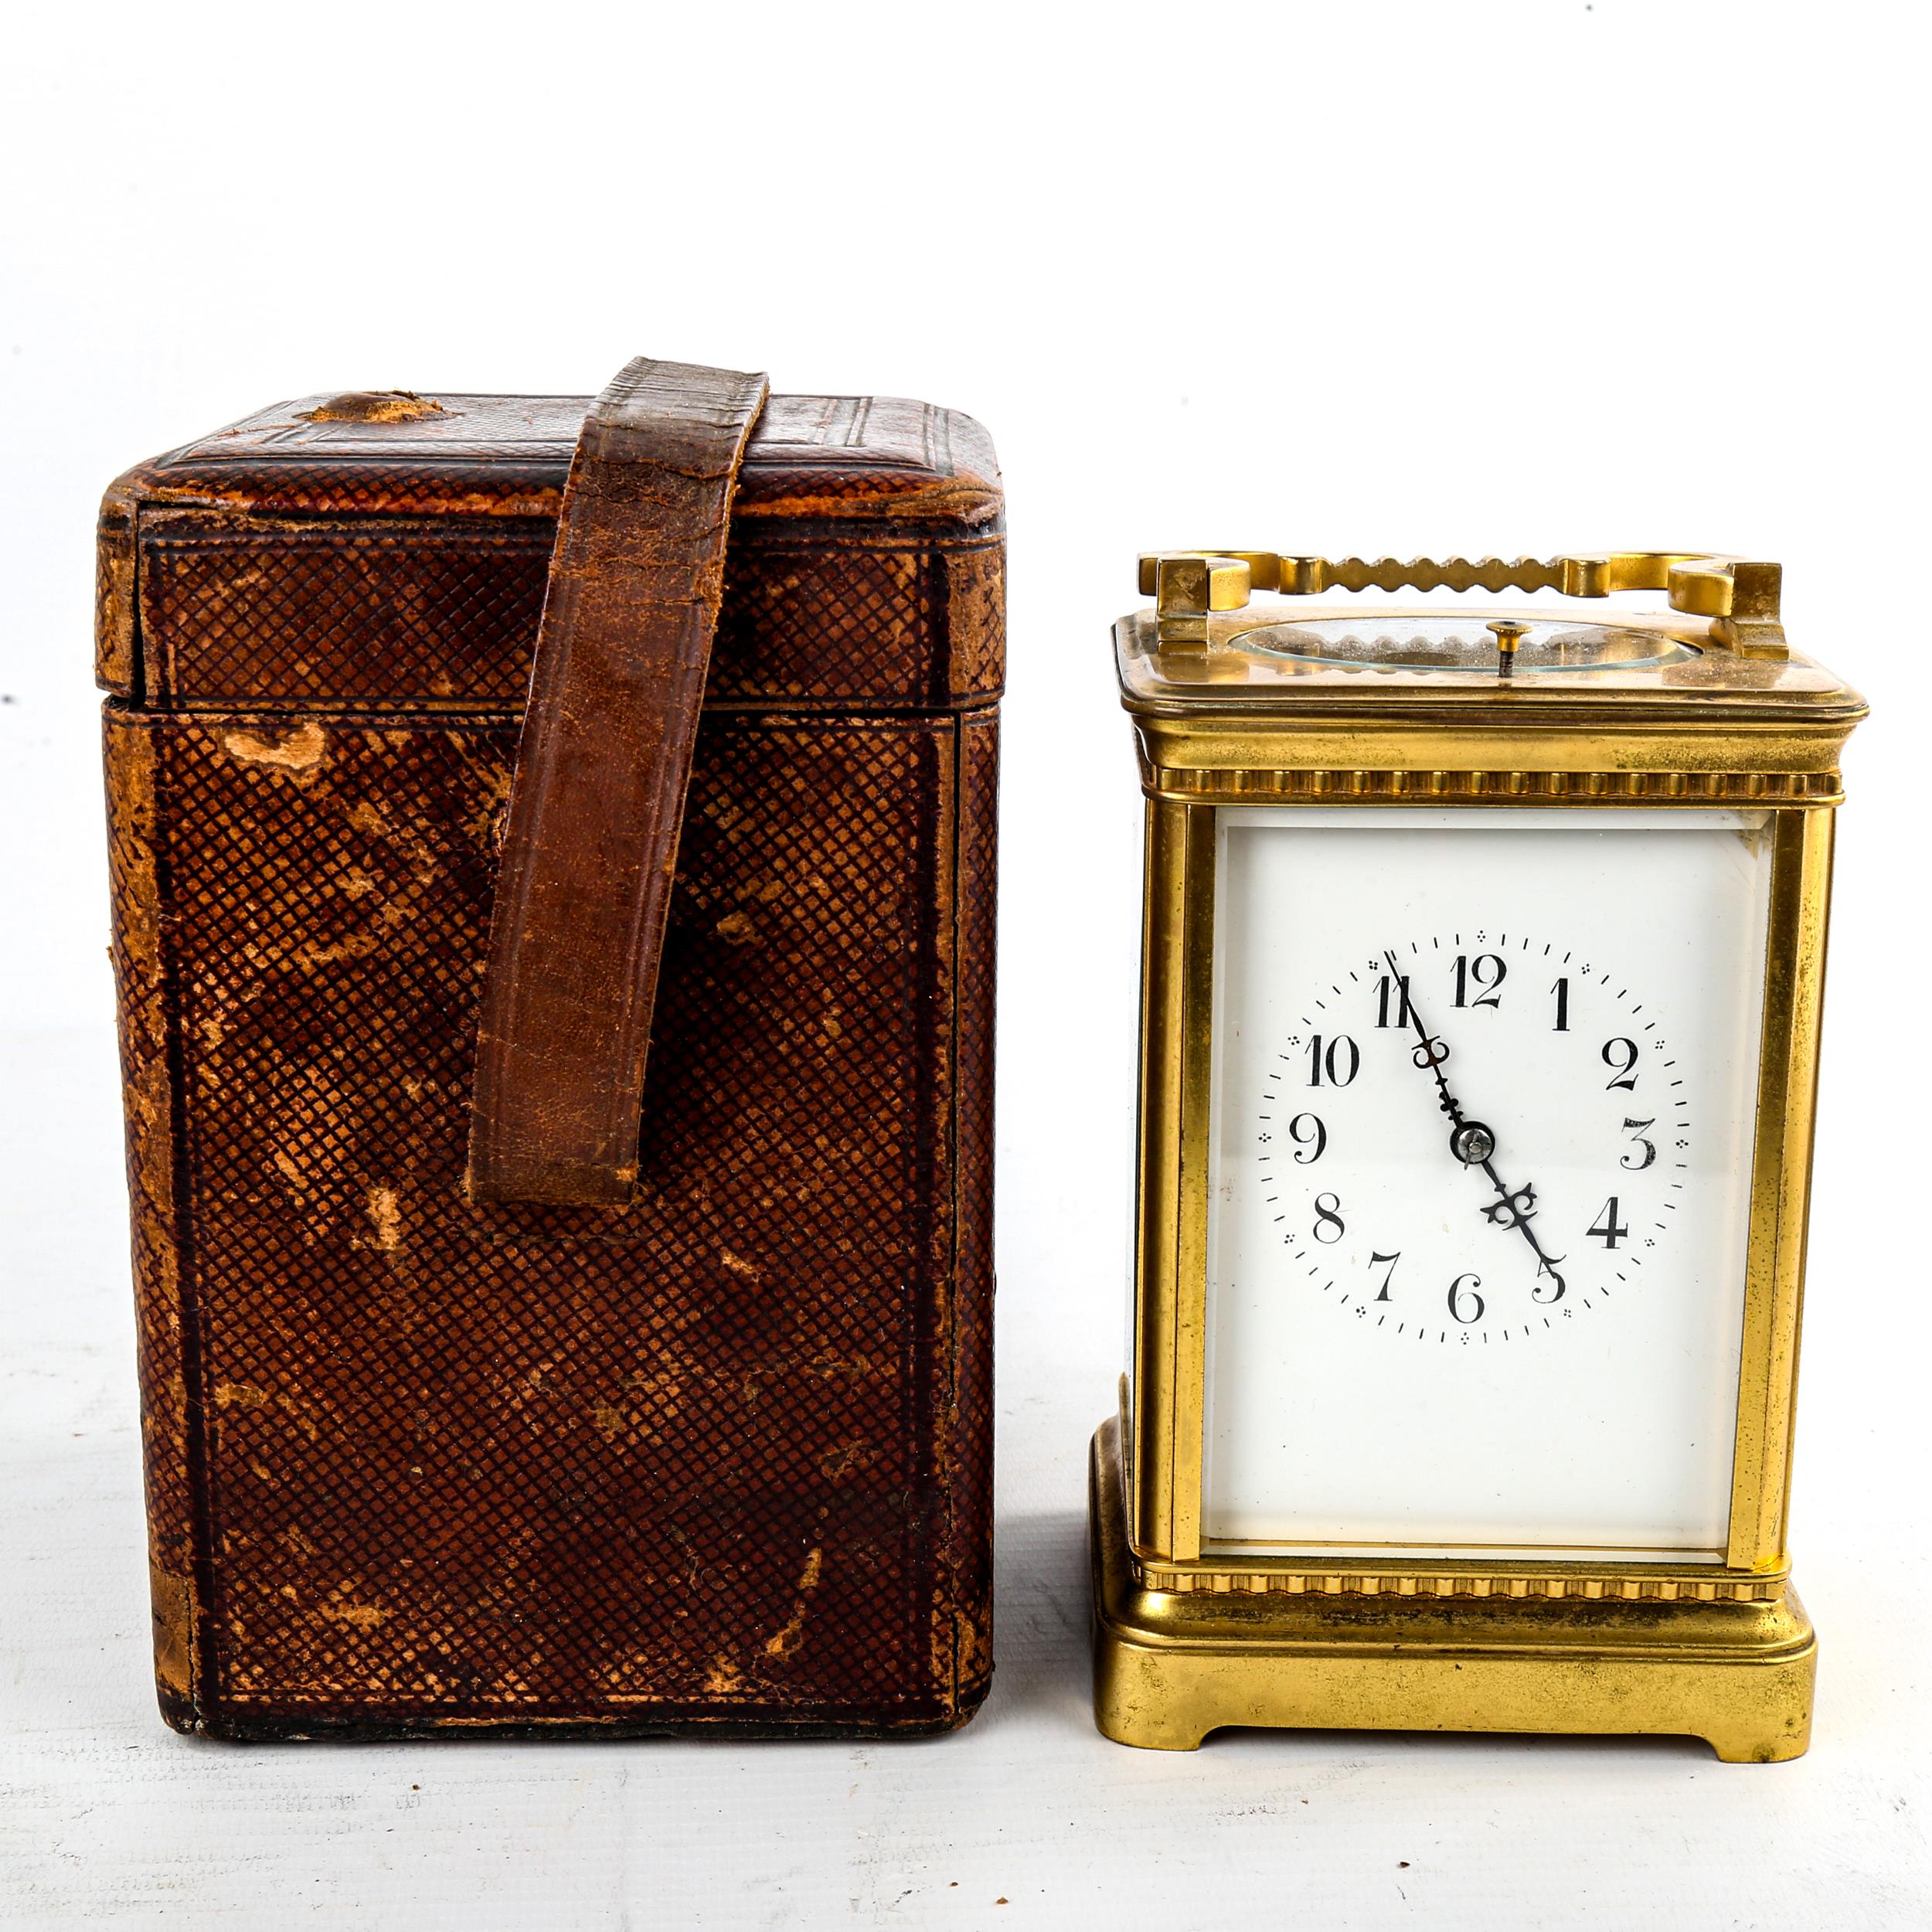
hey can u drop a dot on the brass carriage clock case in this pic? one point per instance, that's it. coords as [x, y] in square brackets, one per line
[1706, 707]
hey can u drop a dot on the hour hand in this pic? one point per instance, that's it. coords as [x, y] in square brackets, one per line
[1475, 1145]
[1470, 1141]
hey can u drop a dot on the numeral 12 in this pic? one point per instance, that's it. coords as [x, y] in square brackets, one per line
[1486, 972]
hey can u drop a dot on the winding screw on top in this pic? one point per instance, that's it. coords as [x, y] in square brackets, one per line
[1509, 633]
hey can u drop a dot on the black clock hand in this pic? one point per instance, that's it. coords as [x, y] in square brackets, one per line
[1474, 1145]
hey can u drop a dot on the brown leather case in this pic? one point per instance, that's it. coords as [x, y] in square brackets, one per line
[705, 1446]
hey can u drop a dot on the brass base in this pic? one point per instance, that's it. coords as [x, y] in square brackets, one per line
[1169, 1668]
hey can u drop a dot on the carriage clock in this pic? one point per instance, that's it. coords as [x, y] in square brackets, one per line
[1481, 969]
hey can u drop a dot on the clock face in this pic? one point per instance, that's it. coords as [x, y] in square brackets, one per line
[1481, 1129]
[1476, 1138]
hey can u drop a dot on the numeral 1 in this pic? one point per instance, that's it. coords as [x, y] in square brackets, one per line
[1561, 989]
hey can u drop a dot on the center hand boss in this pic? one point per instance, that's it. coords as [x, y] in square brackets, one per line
[1472, 1143]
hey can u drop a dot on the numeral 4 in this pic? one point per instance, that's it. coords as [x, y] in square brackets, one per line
[1606, 1228]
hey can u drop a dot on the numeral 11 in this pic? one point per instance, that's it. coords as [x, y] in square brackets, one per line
[1399, 1002]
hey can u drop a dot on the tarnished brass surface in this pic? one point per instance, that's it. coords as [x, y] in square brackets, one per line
[1189, 1640]
[1794, 949]
[1170, 1668]
[1170, 1240]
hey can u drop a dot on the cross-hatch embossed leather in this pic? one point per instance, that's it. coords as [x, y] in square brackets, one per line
[591, 846]
[718, 1462]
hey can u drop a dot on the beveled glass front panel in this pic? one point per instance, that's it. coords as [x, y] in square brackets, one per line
[1479, 1181]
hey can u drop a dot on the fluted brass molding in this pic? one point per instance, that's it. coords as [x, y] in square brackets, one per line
[1585, 1588]
[1360, 787]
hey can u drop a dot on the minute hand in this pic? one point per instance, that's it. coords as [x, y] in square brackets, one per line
[1473, 1145]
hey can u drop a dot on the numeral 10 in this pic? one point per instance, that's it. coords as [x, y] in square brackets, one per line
[1340, 1058]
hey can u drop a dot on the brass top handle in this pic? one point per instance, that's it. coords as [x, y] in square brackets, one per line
[1739, 593]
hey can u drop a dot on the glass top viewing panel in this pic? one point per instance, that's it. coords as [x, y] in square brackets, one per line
[1271, 652]
[1464, 644]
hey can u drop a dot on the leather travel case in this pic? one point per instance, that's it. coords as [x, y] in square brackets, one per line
[560, 1132]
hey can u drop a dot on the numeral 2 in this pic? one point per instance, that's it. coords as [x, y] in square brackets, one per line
[1620, 1056]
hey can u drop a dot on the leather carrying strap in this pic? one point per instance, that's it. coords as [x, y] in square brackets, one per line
[598, 801]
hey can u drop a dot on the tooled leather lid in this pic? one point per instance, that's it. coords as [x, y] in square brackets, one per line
[399, 452]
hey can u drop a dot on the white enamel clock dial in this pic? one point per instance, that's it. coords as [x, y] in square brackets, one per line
[1485, 1087]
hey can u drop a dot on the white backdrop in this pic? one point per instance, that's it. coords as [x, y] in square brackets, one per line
[1416, 277]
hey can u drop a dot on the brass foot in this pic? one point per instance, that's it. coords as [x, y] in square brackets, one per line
[1169, 1668]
